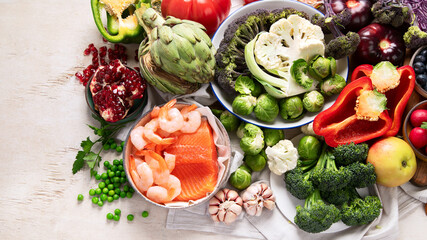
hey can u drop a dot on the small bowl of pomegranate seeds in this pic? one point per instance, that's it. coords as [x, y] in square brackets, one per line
[116, 93]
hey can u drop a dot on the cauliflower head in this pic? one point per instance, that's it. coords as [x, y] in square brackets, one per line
[282, 157]
[289, 39]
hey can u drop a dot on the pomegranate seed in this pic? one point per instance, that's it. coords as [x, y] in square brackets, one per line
[86, 52]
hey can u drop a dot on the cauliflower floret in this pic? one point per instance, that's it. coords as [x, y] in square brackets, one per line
[282, 157]
[289, 39]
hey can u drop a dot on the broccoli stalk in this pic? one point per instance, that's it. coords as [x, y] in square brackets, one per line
[342, 19]
[326, 176]
[342, 45]
[360, 211]
[316, 216]
[391, 12]
[415, 38]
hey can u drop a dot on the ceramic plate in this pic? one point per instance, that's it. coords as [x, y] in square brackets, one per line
[226, 100]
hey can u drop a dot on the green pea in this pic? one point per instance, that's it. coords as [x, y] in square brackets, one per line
[110, 216]
[131, 190]
[104, 176]
[80, 197]
[126, 188]
[114, 168]
[95, 200]
[92, 192]
[110, 199]
[106, 146]
[122, 174]
[116, 180]
[111, 174]
[119, 149]
[98, 177]
[103, 197]
[116, 185]
[117, 211]
[105, 190]
[98, 191]
[116, 162]
[106, 163]
[110, 141]
[101, 185]
[110, 186]
[111, 192]
[129, 195]
[117, 173]
[116, 217]
[100, 203]
[144, 214]
[122, 143]
[122, 194]
[113, 145]
[116, 196]
[117, 190]
[108, 181]
[130, 217]
[120, 168]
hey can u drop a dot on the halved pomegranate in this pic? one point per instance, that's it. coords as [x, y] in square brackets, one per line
[114, 88]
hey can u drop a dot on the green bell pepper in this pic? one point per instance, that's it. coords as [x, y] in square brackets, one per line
[120, 29]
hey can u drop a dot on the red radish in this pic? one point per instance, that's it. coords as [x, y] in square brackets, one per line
[418, 137]
[418, 117]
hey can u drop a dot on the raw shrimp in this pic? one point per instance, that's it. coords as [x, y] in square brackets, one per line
[150, 133]
[170, 119]
[192, 119]
[136, 137]
[141, 174]
[155, 112]
[158, 165]
[170, 161]
[165, 193]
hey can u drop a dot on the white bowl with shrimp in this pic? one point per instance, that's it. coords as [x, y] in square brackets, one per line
[157, 184]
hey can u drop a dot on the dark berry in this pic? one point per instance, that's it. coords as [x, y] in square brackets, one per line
[419, 67]
[422, 79]
[420, 58]
[423, 52]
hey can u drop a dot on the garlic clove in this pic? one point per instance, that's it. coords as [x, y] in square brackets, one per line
[225, 206]
[256, 197]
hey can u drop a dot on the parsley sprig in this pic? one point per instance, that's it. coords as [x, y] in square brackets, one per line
[87, 155]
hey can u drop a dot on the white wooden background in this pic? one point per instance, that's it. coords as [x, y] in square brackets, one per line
[43, 117]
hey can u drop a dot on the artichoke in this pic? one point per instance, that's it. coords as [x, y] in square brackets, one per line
[178, 55]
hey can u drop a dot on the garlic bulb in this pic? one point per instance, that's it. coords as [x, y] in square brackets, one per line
[225, 206]
[257, 196]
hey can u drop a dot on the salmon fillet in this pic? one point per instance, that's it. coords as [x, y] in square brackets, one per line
[196, 163]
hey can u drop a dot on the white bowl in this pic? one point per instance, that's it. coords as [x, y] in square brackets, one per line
[226, 99]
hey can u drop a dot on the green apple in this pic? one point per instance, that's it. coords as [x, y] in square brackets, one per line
[394, 161]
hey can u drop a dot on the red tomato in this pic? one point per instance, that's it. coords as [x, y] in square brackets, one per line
[250, 1]
[209, 13]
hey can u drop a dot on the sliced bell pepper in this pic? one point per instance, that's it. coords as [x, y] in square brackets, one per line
[397, 98]
[122, 24]
[339, 124]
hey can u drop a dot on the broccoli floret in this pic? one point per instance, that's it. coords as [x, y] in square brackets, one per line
[415, 37]
[298, 181]
[337, 197]
[360, 211]
[230, 57]
[326, 176]
[390, 12]
[363, 175]
[341, 19]
[342, 45]
[316, 216]
[349, 153]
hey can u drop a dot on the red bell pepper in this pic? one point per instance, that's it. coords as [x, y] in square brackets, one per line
[339, 124]
[397, 98]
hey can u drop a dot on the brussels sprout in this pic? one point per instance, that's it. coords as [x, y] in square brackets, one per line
[321, 67]
[291, 108]
[273, 136]
[229, 121]
[217, 112]
[299, 70]
[244, 85]
[309, 148]
[257, 90]
[266, 108]
[240, 179]
[245, 167]
[313, 101]
[244, 104]
[253, 140]
[255, 162]
[332, 85]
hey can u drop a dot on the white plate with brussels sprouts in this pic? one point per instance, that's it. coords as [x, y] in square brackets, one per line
[280, 104]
